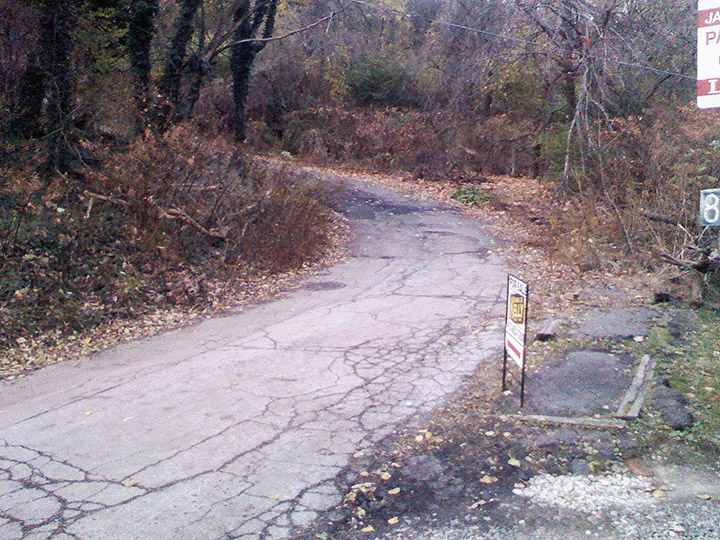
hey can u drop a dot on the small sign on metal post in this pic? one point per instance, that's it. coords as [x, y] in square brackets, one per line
[710, 208]
[515, 330]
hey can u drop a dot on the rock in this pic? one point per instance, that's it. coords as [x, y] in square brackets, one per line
[578, 466]
[549, 330]
[664, 392]
[672, 406]
[676, 415]
[423, 468]
[627, 445]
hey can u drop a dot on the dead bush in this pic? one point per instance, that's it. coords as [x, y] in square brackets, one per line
[155, 225]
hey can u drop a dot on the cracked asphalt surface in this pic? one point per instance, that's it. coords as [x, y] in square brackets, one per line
[239, 426]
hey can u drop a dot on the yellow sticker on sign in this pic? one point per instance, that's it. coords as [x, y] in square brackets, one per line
[517, 309]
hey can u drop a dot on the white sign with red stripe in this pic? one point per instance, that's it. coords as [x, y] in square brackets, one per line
[708, 54]
[516, 320]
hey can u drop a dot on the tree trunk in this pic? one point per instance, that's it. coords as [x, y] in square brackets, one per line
[31, 94]
[141, 30]
[57, 25]
[243, 52]
[196, 72]
[169, 85]
[241, 63]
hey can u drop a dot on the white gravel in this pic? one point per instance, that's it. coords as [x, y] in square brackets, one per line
[588, 493]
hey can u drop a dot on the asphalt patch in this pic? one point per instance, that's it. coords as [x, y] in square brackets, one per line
[323, 286]
[581, 383]
[359, 204]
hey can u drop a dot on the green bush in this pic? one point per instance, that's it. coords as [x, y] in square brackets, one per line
[384, 83]
[471, 195]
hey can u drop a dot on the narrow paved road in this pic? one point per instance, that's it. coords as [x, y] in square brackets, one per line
[237, 427]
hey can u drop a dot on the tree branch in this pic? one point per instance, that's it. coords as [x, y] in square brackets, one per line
[278, 38]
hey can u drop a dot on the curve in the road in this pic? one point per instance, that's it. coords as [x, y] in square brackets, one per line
[237, 427]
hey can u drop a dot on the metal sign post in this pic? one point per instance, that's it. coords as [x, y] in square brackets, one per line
[708, 54]
[515, 330]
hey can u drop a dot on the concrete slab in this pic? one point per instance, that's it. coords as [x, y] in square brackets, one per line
[616, 323]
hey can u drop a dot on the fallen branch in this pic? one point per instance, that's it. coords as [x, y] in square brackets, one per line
[668, 220]
[107, 198]
[177, 214]
[705, 265]
[164, 213]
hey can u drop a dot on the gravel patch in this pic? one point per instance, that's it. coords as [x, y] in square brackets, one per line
[588, 493]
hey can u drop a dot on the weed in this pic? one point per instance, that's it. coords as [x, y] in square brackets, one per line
[470, 195]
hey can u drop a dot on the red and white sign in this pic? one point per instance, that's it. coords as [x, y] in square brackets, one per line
[708, 54]
[516, 320]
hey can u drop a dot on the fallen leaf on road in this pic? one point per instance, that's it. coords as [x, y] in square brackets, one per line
[130, 483]
[477, 504]
[394, 491]
[514, 462]
[704, 496]
[369, 528]
[321, 536]
[385, 475]
[393, 521]
[88, 413]
[487, 479]
[659, 494]
[360, 512]
[490, 433]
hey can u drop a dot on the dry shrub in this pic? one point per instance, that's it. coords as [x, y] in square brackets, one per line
[433, 146]
[653, 170]
[155, 225]
[213, 112]
[186, 193]
[383, 139]
[641, 192]
[283, 223]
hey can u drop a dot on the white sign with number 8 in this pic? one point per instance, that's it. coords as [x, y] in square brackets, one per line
[710, 208]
